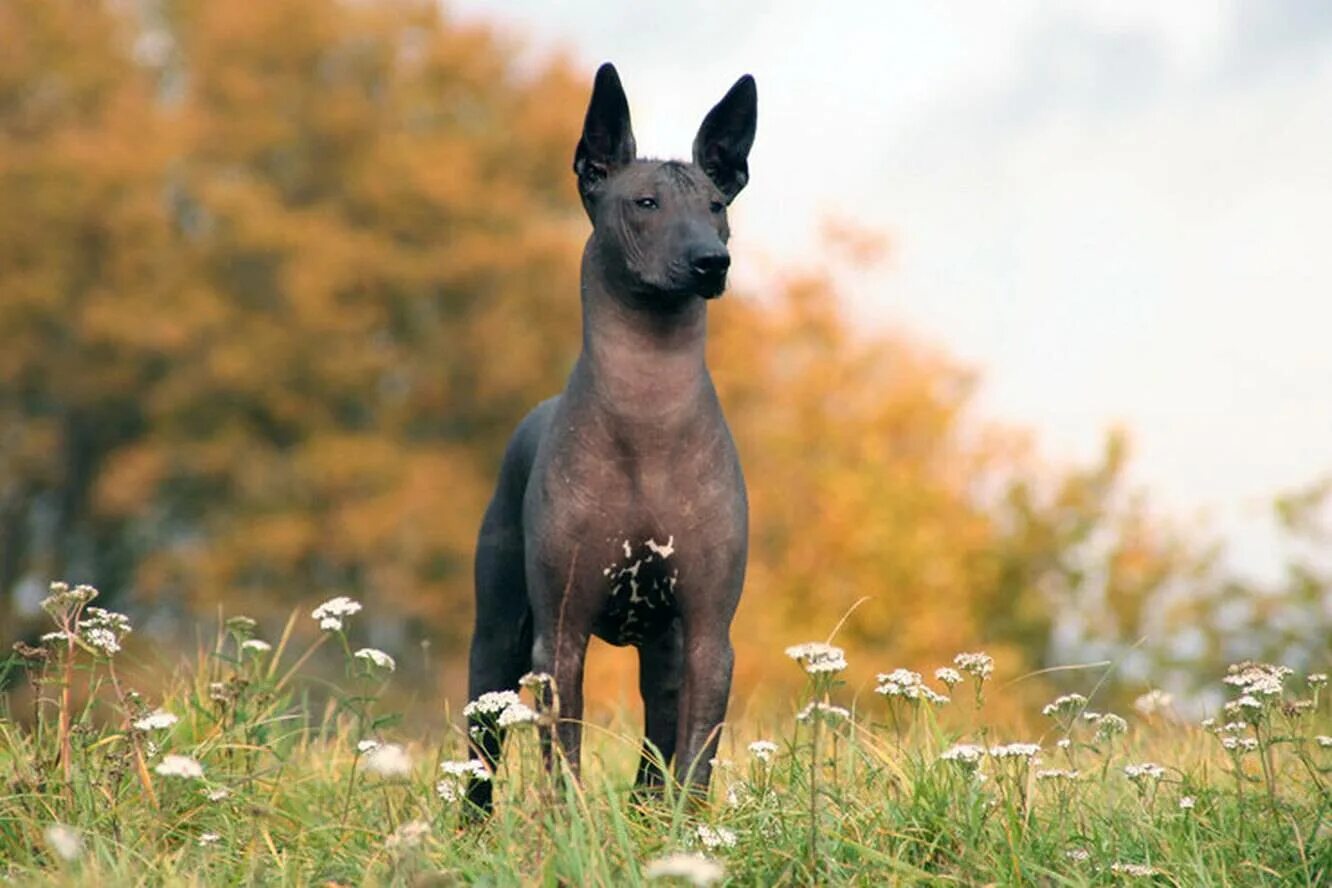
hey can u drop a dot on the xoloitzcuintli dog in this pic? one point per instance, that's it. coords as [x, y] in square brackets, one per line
[620, 509]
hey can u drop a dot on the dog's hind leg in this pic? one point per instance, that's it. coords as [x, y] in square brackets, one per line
[502, 639]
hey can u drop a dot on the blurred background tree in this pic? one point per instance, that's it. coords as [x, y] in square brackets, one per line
[280, 278]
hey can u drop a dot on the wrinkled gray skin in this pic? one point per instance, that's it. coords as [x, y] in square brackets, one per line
[620, 509]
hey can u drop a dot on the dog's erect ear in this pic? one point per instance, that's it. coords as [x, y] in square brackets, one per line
[722, 145]
[608, 140]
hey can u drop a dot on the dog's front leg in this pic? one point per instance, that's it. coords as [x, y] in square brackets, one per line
[560, 650]
[709, 659]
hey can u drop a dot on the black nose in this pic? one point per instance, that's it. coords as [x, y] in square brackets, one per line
[711, 264]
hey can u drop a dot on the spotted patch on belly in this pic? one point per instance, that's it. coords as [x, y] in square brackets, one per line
[641, 602]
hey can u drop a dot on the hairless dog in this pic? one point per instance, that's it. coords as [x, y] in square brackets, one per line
[620, 509]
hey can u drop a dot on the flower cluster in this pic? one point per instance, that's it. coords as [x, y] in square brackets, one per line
[948, 676]
[818, 658]
[62, 600]
[1154, 701]
[491, 703]
[1144, 772]
[763, 750]
[1258, 679]
[715, 837]
[1056, 774]
[979, 666]
[331, 613]
[502, 708]
[907, 684]
[965, 754]
[1027, 751]
[516, 714]
[180, 766]
[158, 719]
[457, 774]
[376, 658]
[388, 760]
[826, 711]
[1108, 725]
[1060, 706]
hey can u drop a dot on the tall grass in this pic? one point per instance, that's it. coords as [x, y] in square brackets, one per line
[235, 777]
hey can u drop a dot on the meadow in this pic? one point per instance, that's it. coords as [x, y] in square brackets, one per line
[249, 770]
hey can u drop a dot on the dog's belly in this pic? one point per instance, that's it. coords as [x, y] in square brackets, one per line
[640, 583]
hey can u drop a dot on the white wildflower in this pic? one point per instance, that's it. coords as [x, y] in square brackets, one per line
[218, 794]
[1016, 750]
[173, 765]
[62, 598]
[242, 624]
[763, 750]
[1078, 854]
[365, 746]
[409, 835]
[1065, 704]
[536, 681]
[389, 760]
[156, 720]
[948, 676]
[1056, 774]
[96, 617]
[967, 754]
[516, 714]
[816, 657]
[1109, 726]
[209, 838]
[720, 837]
[1154, 701]
[1064, 743]
[377, 657]
[65, 841]
[1187, 803]
[102, 640]
[491, 703]
[978, 665]
[1324, 741]
[1144, 771]
[457, 774]
[1262, 679]
[827, 711]
[256, 646]
[695, 869]
[329, 614]
[1317, 679]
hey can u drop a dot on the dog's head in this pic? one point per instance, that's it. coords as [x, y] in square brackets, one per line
[661, 225]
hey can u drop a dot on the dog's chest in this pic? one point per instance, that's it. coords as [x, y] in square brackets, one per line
[639, 580]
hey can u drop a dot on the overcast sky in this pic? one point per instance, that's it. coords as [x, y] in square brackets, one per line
[1117, 211]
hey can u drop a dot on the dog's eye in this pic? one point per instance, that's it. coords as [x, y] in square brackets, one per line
[647, 203]
[717, 206]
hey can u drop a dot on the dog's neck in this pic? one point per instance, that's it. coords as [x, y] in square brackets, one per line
[640, 362]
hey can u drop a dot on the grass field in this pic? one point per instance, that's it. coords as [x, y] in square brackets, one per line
[234, 777]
